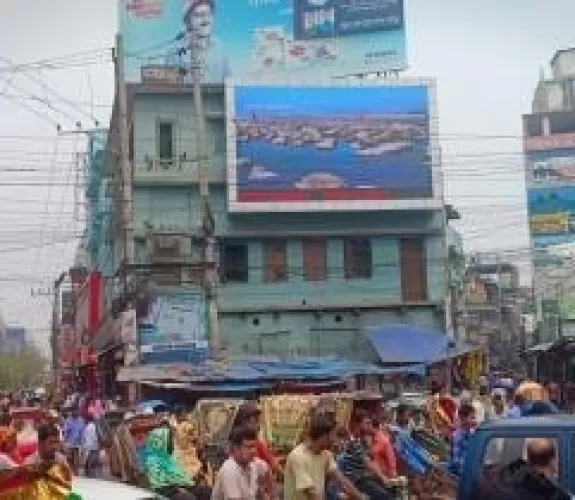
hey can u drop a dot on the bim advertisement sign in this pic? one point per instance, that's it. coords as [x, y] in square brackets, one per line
[253, 37]
[331, 146]
[174, 324]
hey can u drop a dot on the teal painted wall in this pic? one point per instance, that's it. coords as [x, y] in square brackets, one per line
[293, 317]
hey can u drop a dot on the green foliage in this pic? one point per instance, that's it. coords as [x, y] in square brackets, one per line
[21, 369]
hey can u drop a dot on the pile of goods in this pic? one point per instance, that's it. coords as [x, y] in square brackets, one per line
[284, 419]
[214, 419]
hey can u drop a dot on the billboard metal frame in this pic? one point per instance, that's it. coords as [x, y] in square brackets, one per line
[435, 202]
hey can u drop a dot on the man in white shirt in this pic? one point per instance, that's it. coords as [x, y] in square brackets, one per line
[243, 476]
[91, 448]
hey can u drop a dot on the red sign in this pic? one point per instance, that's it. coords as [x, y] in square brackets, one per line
[549, 142]
[95, 299]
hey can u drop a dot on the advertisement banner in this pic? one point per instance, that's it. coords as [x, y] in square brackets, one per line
[551, 215]
[253, 37]
[331, 146]
[549, 142]
[174, 322]
[550, 167]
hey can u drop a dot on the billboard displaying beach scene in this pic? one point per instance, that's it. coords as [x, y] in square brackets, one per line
[354, 145]
[253, 37]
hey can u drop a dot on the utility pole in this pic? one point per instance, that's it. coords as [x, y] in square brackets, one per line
[126, 195]
[56, 306]
[126, 199]
[205, 219]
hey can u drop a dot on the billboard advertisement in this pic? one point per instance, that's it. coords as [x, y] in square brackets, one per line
[550, 167]
[173, 323]
[552, 215]
[242, 38]
[331, 146]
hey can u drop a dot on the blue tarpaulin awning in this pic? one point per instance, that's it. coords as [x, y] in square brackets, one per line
[308, 369]
[410, 344]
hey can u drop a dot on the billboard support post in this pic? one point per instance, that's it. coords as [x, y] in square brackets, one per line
[205, 222]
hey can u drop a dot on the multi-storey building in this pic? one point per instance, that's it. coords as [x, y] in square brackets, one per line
[290, 284]
[550, 169]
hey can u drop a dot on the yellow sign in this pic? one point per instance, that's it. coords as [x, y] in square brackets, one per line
[550, 223]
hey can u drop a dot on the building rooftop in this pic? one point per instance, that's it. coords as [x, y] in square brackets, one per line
[560, 52]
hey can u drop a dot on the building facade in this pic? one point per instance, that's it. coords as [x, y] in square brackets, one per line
[290, 284]
[549, 146]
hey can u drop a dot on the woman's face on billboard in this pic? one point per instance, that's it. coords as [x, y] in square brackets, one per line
[200, 22]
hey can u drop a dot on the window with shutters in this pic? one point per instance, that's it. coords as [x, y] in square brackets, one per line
[276, 261]
[357, 258]
[234, 263]
[413, 270]
[315, 259]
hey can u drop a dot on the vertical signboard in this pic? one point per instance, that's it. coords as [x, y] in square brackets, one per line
[253, 37]
[305, 146]
[550, 179]
[174, 328]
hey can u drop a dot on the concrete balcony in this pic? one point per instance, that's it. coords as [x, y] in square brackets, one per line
[177, 171]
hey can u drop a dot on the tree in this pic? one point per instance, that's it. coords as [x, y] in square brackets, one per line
[21, 368]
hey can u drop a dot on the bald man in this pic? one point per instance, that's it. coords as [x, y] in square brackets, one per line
[533, 479]
[542, 456]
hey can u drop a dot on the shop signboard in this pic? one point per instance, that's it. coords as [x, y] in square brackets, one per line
[174, 327]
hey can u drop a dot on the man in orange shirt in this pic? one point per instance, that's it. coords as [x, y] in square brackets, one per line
[382, 448]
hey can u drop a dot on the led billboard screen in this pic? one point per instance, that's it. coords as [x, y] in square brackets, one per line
[347, 145]
[250, 37]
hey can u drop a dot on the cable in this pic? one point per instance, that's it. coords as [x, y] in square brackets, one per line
[47, 88]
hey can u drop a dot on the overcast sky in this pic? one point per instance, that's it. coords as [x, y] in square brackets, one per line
[486, 56]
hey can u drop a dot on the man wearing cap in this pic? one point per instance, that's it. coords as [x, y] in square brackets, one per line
[198, 17]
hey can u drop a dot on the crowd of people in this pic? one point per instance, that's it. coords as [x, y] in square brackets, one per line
[361, 460]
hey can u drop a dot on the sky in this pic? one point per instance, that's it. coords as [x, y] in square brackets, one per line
[485, 55]
[317, 100]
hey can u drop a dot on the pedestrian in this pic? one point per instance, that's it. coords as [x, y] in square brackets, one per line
[163, 472]
[358, 464]
[49, 446]
[311, 465]
[243, 475]
[460, 439]
[382, 448]
[91, 448]
[73, 438]
[249, 414]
